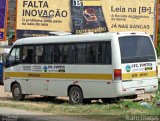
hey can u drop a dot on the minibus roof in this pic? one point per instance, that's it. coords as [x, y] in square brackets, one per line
[87, 37]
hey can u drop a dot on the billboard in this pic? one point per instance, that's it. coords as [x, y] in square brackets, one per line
[3, 20]
[87, 16]
[127, 15]
[38, 18]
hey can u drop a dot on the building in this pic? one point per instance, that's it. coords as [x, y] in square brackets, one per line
[159, 11]
[11, 22]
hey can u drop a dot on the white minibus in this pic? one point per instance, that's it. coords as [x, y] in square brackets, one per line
[104, 66]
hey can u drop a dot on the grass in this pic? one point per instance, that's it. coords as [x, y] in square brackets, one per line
[96, 111]
[61, 107]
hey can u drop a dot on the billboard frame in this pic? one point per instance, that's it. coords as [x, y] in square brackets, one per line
[155, 33]
[157, 24]
[5, 22]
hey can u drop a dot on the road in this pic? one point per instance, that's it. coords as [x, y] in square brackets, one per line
[9, 114]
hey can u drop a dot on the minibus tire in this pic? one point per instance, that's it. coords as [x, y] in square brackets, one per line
[17, 92]
[1, 83]
[75, 95]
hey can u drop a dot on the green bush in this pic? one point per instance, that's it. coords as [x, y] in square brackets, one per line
[157, 96]
[158, 45]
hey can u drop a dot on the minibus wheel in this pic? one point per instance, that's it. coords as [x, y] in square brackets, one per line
[1, 82]
[17, 92]
[75, 95]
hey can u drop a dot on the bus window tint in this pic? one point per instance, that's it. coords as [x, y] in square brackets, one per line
[14, 57]
[28, 54]
[39, 54]
[48, 54]
[104, 53]
[68, 52]
[100, 52]
[91, 53]
[63, 53]
[56, 53]
[136, 49]
[108, 53]
[80, 53]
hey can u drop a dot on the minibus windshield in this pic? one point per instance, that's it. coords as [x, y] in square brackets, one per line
[136, 49]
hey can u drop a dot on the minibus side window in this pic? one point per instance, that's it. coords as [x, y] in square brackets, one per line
[28, 54]
[48, 51]
[56, 54]
[101, 52]
[69, 53]
[108, 53]
[63, 53]
[80, 53]
[91, 53]
[14, 57]
[39, 54]
[104, 52]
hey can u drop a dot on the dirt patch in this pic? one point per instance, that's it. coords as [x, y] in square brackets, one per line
[4, 95]
[8, 96]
